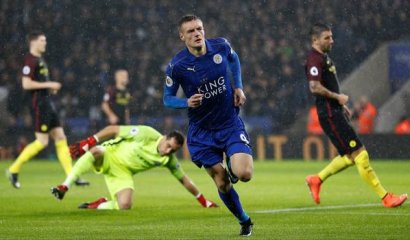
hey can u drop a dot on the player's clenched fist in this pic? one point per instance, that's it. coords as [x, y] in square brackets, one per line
[205, 202]
[79, 148]
[195, 100]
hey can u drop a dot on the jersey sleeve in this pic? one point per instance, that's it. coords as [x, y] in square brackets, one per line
[170, 90]
[234, 65]
[108, 95]
[175, 168]
[314, 68]
[138, 133]
[29, 67]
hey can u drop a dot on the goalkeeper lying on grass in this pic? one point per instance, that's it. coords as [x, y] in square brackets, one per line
[132, 149]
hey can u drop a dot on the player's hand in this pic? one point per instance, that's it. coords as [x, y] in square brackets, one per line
[113, 119]
[239, 97]
[205, 202]
[195, 100]
[347, 112]
[54, 86]
[79, 148]
[342, 99]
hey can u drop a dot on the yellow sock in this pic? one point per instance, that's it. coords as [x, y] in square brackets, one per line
[28, 152]
[368, 175]
[63, 154]
[336, 165]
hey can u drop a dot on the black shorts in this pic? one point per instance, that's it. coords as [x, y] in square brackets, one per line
[44, 116]
[340, 132]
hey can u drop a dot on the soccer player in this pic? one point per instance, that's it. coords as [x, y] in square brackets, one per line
[333, 117]
[203, 69]
[135, 149]
[36, 80]
[116, 100]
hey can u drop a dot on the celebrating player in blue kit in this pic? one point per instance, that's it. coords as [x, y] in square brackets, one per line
[203, 70]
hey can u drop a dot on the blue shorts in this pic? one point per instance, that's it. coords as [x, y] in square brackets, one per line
[208, 146]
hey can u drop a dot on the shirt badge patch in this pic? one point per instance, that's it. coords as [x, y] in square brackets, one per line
[313, 71]
[169, 82]
[217, 58]
[26, 70]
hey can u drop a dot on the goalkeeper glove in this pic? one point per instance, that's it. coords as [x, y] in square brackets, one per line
[79, 148]
[205, 202]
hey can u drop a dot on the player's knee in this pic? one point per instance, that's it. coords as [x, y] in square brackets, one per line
[125, 205]
[223, 185]
[44, 142]
[246, 174]
[97, 151]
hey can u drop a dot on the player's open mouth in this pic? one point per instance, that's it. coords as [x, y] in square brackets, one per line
[198, 40]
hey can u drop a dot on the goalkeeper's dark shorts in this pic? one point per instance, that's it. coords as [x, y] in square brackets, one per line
[44, 115]
[340, 132]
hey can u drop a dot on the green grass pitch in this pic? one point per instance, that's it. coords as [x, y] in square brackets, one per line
[277, 199]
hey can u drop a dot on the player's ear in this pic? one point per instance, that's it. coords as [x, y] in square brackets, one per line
[181, 36]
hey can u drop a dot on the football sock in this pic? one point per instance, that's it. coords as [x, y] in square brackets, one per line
[231, 200]
[83, 165]
[109, 205]
[63, 154]
[338, 164]
[28, 152]
[368, 175]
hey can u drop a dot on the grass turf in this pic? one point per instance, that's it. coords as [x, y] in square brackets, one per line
[163, 209]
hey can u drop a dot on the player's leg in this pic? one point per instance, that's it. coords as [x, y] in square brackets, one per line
[242, 166]
[335, 128]
[91, 159]
[361, 158]
[121, 187]
[28, 153]
[63, 153]
[338, 164]
[230, 197]
[239, 152]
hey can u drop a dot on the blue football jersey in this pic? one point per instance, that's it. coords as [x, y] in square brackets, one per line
[209, 75]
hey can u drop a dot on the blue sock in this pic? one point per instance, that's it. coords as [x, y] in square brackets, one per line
[231, 200]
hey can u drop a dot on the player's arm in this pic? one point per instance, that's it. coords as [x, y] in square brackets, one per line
[79, 148]
[317, 88]
[177, 171]
[235, 67]
[105, 107]
[30, 84]
[170, 91]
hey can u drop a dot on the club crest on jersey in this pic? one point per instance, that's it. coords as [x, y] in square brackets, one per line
[169, 82]
[217, 58]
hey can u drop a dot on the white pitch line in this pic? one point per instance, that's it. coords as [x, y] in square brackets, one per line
[304, 209]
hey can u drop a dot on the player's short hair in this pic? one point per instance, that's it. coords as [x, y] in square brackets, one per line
[34, 35]
[318, 28]
[187, 18]
[179, 137]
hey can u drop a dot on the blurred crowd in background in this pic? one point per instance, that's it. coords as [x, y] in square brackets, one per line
[89, 40]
